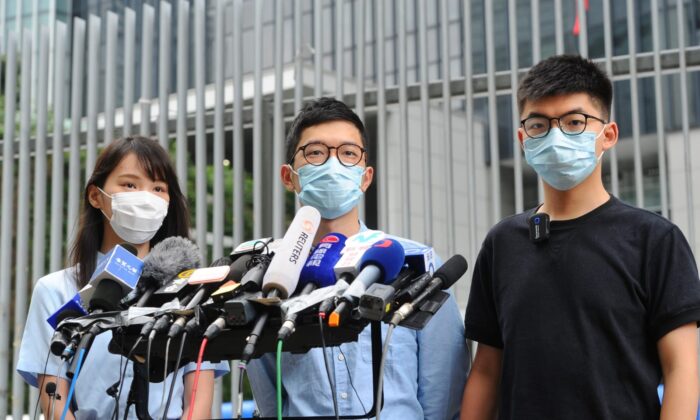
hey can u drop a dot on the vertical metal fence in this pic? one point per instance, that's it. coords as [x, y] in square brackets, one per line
[218, 82]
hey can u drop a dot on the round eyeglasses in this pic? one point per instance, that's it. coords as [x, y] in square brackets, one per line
[571, 124]
[317, 153]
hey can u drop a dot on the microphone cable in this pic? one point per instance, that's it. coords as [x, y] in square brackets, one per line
[279, 379]
[151, 336]
[242, 373]
[328, 369]
[380, 383]
[122, 376]
[72, 383]
[352, 384]
[177, 367]
[196, 378]
[165, 374]
[38, 398]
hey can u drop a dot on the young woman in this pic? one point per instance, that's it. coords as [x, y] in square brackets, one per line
[132, 196]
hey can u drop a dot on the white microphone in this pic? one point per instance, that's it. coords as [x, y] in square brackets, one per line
[283, 273]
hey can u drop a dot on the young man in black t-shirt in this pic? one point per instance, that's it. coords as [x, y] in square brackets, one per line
[586, 322]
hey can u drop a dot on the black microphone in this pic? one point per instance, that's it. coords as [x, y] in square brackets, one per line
[50, 389]
[161, 266]
[236, 271]
[444, 277]
[204, 280]
[539, 227]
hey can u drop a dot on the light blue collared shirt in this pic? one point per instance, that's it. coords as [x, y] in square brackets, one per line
[100, 368]
[424, 375]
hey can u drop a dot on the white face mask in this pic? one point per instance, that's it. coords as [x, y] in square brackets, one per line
[136, 215]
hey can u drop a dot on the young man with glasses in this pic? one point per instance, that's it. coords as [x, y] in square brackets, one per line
[425, 370]
[585, 321]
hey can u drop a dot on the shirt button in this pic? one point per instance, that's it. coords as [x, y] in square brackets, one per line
[341, 357]
[344, 395]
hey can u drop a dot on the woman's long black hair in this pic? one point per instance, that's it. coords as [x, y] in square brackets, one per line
[156, 163]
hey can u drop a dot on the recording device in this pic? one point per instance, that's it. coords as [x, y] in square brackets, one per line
[164, 267]
[318, 272]
[382, 261]
[282, 276]
[379, 299]
[444, 277]
[539, 227]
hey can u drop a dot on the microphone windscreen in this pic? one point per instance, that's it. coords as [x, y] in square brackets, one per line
[451, 270]
[221, 261]
[319, 268]
[285, 267]
[168, 258]
[388, 255]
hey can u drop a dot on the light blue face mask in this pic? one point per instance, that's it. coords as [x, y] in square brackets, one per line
[331, 188]
[563, 161]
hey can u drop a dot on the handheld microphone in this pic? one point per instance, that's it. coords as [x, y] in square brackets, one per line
[444, 277]
[282, 276]
[119, 270]
[237, 310]
[161, 267]
[114, 278]
[348, 266]
[317, 272]
[382, 261]
[204, 280]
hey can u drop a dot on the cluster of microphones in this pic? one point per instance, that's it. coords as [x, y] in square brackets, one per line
[345, 281]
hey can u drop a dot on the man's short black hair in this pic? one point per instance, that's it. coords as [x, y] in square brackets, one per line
[566, 74]
[318, 112]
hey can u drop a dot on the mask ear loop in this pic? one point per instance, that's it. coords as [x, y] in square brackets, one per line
[110, 198]
[599, 158]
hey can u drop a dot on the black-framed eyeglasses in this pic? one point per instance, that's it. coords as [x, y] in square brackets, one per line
[317, 153]
[571, 124]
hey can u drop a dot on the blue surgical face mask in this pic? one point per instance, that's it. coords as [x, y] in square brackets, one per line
[561, 160]
[333, 189]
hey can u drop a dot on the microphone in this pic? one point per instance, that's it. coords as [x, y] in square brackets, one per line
[203, 280]
[318, 272]
[168, 258]
[444, 277]
[51, 392]
[208, 278]
[116, 274]
[237, 310]
[114, 278]
[348, 266]
[379, 299]
[282, 275]
[383, 260]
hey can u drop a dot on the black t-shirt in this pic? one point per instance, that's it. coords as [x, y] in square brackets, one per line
[578, 316]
